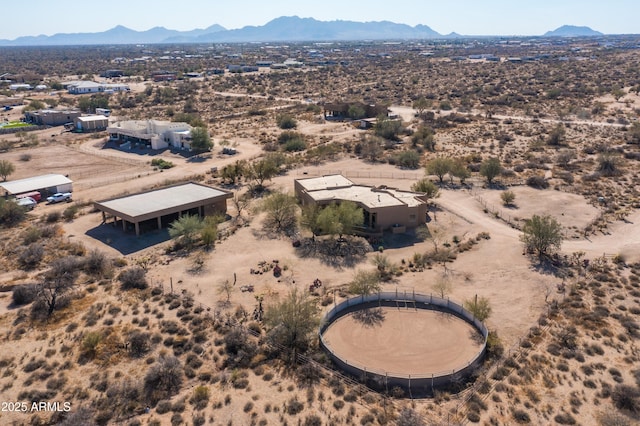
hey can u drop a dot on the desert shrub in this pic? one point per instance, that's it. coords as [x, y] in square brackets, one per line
[338, 404]
[409, 417]
[614, 419]
[163, 379]
[53, 217]
[626, 397]
[408, 159]
[508, 197]
[473, 416]
[521, 416]
[23, 294]
[162, 164]
[70, 212]
[295, 145]
[133, 278]
[565, 419]
[163, 406]
[239, 348]
[609, 163]
[200, 397]
[294, 406]
[538, 182]
[90, 342]
[139, 343]
[312, 420]
[176, 419]
[96, 264]
[31, 256]
[11, 213]
[286, 121]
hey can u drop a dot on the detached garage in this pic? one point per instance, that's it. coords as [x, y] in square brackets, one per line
[91, 123]
[46, 185]
[157, 209]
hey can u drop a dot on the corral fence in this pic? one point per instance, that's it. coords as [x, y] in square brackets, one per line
[421, 383]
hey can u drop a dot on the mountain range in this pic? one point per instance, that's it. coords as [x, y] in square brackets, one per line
[283, 29]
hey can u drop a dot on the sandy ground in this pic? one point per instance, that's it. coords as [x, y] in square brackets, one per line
[405, 342]
[495, 268]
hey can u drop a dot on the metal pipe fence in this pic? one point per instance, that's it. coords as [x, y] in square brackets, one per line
[421, 382]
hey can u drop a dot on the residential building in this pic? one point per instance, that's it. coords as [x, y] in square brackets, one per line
[154, 134]
[51, 117]
[84, 87]
[384, 208]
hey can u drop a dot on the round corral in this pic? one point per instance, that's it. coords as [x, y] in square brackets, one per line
[413, 341]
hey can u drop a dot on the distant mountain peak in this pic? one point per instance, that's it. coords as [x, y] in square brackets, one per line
[572, 31]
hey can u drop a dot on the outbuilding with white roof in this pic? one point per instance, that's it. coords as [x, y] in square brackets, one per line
[45, 184]
[158, 208]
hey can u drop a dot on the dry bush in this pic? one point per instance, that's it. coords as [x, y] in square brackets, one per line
[133, 278]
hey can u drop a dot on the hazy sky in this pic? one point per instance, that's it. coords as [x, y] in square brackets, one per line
[469, 17]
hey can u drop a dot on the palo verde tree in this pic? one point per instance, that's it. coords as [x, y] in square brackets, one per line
[185, 229]
[292, 321]
[490, 169]
[365, 283]
[6, 169]
[479, 307]
[261, 171]
[339, 219]
[541, 235]
[439, 167]
[424, 136]
[280, 209]
[200, 139]
[427, 187]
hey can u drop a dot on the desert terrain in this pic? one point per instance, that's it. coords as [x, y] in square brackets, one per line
[152, 330]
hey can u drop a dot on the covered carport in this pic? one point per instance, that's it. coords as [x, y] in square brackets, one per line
[158, 208]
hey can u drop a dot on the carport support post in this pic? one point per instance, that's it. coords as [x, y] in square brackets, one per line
[137, 225]
[159, 222]
[124, 225]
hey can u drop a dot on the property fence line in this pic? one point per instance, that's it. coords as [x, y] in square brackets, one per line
[104, 182]
[424, 382]
[99, 153]
[363, 174]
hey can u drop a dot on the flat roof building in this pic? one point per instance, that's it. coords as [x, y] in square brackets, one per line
[154, 134]
[51, 117]
[45, 184]
[158, 208]
[91, 123]
[384, 207]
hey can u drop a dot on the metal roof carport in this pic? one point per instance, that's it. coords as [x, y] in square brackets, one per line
[48, 183]
[157, 203]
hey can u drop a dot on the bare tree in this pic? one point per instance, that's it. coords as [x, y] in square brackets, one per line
[58, 280]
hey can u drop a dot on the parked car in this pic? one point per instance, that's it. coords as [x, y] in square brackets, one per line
[33, 194]
[59, 197]
[27, 202]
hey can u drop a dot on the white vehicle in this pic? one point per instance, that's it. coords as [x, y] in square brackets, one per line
[27, 202]
[59, 197]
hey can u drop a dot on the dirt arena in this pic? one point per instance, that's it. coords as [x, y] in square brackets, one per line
[404, 341]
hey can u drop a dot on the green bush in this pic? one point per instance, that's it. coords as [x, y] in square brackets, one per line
[286, 121]
[162, 164]
[11, 213]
